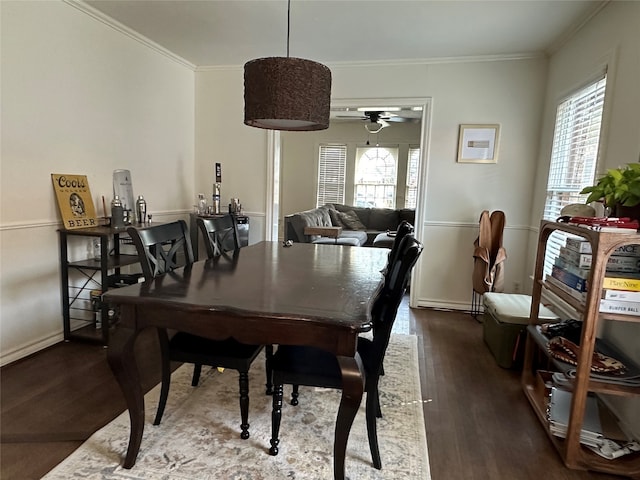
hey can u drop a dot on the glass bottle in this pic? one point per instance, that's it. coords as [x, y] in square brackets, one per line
[202, 204]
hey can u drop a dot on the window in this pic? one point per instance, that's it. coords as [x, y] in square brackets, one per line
[573, 155]
[375, 179]
[411, 193]
[331, 174]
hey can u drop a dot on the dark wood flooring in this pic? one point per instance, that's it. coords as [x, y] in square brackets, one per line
[479, 425]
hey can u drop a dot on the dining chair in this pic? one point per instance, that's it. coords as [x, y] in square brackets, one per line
[404, 228]
[162, 248]
[220, 234]
[314, 367]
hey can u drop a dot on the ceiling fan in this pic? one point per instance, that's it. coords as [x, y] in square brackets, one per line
[375, 120]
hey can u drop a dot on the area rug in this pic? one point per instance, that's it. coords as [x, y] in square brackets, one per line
[199, 437]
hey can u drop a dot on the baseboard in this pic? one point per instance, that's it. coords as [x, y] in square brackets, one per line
[30, 348]
[424, 303]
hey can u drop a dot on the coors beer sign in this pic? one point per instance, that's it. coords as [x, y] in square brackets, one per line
[74, 201]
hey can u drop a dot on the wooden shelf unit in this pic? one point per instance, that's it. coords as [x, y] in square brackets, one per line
[573, 454]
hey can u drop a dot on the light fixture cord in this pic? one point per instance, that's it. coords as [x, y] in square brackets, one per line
[288, 24]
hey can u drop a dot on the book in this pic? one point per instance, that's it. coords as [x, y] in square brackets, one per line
[600, 432]
[560, 412]
[569, 279]
[610, 277]
[607, 224]
[607, 305]
[615, 263]
[623, 307]
[629, 230]
[582, 245]
[74, 201]
[580, 296]
[620, 295]
[622, 283]
[570, 267]
[557, 304]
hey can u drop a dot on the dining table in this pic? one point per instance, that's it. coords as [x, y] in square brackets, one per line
[269, 293]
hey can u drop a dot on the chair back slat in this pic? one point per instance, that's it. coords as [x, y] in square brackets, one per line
[216, 231]
[162, 248]
[388, 297]
[405, 228]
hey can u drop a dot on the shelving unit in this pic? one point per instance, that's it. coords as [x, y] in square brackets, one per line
[573, 454]
[85, 316]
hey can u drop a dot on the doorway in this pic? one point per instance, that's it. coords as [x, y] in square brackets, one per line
[420, 109]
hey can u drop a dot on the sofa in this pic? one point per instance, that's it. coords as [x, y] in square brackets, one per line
[359, 225]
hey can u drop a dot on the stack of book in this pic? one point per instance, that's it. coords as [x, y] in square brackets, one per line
[607, 224]
[600, 430]
[558, 417]
[621, 285]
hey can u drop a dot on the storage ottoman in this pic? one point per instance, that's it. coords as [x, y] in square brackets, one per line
[505, 321]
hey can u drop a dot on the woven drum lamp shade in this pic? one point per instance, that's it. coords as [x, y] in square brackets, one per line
[287, 93]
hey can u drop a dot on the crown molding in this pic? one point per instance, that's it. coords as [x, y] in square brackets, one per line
[119, 27]
[576, 27]
[403, 62]
[439, 60]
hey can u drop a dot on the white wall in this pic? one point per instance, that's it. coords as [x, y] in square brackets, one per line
[78, 97]
[222, 137]
[613, 38]
[506, 92]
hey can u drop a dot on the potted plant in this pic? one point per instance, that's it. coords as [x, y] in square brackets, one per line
[619, 189]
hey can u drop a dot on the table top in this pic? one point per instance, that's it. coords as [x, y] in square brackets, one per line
[331, 284]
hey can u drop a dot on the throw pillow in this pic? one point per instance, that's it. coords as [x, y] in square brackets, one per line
[351, 221]
[335, 219]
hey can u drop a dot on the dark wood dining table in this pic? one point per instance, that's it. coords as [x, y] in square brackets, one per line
[267, 293]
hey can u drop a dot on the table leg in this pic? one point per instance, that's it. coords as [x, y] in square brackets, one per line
[122, 361]
[352, 390]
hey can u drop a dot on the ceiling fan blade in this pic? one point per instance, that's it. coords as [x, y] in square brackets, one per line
[397, 119]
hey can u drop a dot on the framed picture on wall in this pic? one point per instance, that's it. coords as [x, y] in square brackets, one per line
[478, 143]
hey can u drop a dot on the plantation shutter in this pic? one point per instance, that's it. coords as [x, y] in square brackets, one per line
[573, 156]
[331, 174]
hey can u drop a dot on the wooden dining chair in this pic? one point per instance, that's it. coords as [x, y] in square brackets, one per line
[220, 234]
[404, 228]
[162, 248]
[309, 366]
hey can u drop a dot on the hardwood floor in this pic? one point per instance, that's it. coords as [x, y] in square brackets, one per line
[479, 425]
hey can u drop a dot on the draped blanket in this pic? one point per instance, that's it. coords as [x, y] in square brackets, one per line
[489, 254]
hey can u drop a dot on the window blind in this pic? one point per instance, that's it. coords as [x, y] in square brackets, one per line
[331, 174]
[574, 155]
[411, 196]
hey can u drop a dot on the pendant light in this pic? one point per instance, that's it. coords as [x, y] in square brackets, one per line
[287, 93]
